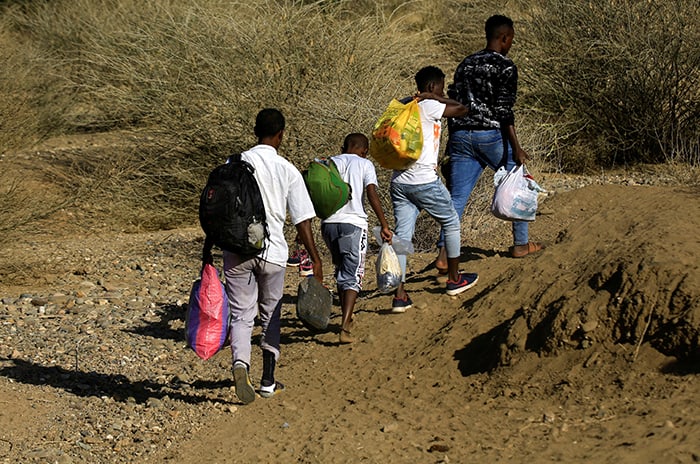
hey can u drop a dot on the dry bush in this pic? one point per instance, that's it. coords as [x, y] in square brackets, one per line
[618, 82]
[23, 90]
[129, 185]
[458, 26]
[21, 206]
[195, 75]
[18, 89]
[199, 73]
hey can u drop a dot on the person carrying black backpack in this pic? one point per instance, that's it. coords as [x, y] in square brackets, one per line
[255, 284]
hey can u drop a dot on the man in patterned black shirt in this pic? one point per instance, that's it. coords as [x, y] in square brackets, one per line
[486, 82]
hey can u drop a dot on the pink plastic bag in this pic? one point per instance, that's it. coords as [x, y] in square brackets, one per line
[207, 318]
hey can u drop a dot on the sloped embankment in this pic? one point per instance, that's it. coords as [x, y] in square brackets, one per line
[624, 271]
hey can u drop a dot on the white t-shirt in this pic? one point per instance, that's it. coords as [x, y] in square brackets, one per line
[282, 189]
[359, 172]
[424, 170]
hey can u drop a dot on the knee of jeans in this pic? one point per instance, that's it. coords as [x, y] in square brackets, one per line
[451, 225]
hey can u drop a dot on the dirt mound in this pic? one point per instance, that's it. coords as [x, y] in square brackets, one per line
[625, 273]
[625, 270]
[568, 355]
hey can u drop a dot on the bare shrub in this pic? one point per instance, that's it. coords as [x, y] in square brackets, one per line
[199, 73]
[195, 75]
[23, 89]
[24, 202]
[619, 81]
[18, 86]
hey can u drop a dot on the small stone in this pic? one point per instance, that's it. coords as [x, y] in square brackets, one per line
[59, 298]
[392, 427]
[84, 446]
[589, 326]
[438, 448]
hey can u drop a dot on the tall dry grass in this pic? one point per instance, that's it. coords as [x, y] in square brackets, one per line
[26, 84]
[187, 78]
[195, 75]
[615, 83]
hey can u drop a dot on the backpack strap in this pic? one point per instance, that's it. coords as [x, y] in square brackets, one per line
[238, 158]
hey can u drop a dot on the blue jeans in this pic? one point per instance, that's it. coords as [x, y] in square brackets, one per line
[471, 151]
[409, 200]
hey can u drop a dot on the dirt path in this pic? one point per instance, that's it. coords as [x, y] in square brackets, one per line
[587, 352]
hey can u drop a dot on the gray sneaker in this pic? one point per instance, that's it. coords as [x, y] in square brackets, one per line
[244, 389]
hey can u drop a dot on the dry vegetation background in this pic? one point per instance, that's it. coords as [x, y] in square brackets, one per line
[603, 85]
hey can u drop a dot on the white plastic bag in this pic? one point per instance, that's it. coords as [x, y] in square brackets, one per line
[388, 269]
[401, 246]
[515, 198]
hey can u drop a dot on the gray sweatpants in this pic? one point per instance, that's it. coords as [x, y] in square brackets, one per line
[253, 286]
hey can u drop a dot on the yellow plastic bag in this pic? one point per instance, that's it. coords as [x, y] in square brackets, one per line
[397, 137]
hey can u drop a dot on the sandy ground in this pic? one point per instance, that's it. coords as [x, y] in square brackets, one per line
[586, 352]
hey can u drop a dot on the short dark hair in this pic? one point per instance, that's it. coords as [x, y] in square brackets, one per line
[355, 140]
[494, 24]
[427, 75]
[268, 122]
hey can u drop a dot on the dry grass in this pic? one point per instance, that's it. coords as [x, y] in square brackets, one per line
[187, 78]
[615, 83]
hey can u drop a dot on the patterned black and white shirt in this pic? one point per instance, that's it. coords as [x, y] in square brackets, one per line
[486, 82]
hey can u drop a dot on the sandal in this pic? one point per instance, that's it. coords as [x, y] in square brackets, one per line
[520, 251]
[346, 337]
[441, 270]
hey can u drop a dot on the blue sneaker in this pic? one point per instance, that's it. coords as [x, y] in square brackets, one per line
[465, 281]
[399, 305]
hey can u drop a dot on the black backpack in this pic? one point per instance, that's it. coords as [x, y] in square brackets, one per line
[231, 209]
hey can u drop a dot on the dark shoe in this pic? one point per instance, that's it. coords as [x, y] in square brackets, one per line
[520, 251]
[399, 305]
[297, 258]
[306, 268]
[244, 389]
[465, 281]
[272, 390]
